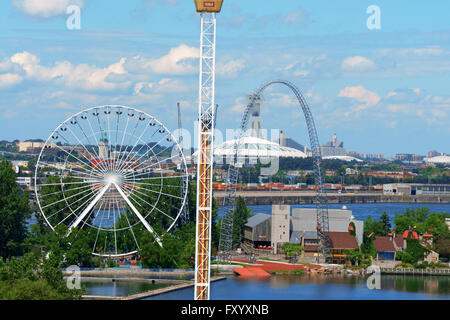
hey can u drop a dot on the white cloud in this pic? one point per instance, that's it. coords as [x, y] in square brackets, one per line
[9, 79]
[282, 100]
[45, 8]
[181, 60]
[81, 76]
[165, 85]
[230, 69]
[358, 64]
[296, 16]
[359, 93]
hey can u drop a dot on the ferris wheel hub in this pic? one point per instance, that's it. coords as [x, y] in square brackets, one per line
[113, 178]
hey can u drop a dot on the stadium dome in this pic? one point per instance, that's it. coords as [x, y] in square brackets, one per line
[343, 158]
[253, 149]
[438, 159]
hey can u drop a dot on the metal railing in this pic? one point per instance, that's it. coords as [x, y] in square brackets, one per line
[437, 271]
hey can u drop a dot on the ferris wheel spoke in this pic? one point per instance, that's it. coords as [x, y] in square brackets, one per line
[68, 206]
[71, 155]
[82, 144]
[65, 199]
[100, 227]
[145, 153]
[151, 184]
[64, 183]
[153, 178]
[121, 143]
[89, 207]
[166, 194]
[136, 212]
[153, 206]
[153, 165]
[130, 115]
[89, 141]
[95, 137]
[114, 225]
[62, 191]
[131, 228]
[135, 144]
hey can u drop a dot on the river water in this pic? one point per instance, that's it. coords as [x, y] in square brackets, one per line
[285, 287]
[361, 210]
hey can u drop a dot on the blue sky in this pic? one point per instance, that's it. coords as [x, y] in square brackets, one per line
[382, 91]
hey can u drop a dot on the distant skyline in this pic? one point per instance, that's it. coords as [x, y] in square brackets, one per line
[381, 91]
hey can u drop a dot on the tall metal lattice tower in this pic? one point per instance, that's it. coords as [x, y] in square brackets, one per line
[206, 109]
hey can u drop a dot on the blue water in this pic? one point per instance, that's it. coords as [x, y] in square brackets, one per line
[308, 288]
[361, 210]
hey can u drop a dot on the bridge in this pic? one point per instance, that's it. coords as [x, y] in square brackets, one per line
[308, 197]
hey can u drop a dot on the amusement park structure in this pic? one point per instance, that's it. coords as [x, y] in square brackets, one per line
[206, 110]
[229, 203]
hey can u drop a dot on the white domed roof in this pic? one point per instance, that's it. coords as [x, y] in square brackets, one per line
[256, 147]
[343, 158]
[438, 159]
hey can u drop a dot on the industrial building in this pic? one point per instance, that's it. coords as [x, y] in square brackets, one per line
[333, 148]
[415, 189]
[299, 226]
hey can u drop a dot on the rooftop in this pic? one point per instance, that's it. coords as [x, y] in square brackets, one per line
[383, 244]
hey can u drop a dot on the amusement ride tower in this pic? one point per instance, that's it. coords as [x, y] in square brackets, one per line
[206, 110]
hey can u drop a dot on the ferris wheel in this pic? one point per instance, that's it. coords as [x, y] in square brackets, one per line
[112, 174]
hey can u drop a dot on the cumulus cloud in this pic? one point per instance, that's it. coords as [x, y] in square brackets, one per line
[181, 60]
[296, 16]
[164, 85]
[45, 8]
[82, 76]
[9, 79]
[358, 64]
[361, 94]
[230, 69]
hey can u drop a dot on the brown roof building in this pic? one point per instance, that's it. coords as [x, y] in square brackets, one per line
[383, 244]
[342, 240]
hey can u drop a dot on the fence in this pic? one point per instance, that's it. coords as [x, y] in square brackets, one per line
[136, 269]
[434, 272]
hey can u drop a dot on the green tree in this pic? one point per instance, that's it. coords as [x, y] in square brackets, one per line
[34, 278]
[240, 218]
[14, 210]
[386, 222]
[292, 250]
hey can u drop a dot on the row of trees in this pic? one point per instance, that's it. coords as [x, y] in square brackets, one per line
[420, 220]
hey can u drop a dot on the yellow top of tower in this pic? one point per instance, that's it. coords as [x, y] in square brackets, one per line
[208, 5]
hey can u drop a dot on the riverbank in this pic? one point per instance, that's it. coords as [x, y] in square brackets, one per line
[170, 285]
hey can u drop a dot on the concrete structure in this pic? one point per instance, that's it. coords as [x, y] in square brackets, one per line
[415, 189]
[33, 147]
[299, 227]
[333, 148]
[280, 225]
[258, 229]
[305, 219]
